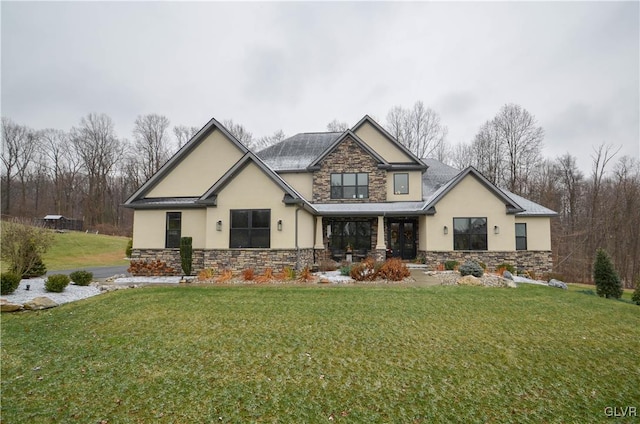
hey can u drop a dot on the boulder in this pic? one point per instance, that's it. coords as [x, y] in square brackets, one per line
[557, 283]
[507, 275]
[469, 280]
[6, 306]
[38, 303]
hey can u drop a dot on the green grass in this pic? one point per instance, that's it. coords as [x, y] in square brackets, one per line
[308, 354]
[77, 249]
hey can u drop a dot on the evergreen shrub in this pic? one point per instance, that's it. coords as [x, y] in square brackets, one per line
[471, 268]
[56, 283]
[9, 282]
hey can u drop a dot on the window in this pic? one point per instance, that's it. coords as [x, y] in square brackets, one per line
[350, 186]
[173, 230]
[400, 183]
[250, 228]
[354, 233]
[521, 236]
[469, 233]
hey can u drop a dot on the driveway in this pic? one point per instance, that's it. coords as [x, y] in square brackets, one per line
[99, 273]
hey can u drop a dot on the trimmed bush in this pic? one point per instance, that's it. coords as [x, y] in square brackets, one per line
[56, 283]
[129, 248]
[471, 268]
[607, 281]
[186, 254]
[393, 270]
[451, 265]
[636, 294]
[9, 282]
[81, 278]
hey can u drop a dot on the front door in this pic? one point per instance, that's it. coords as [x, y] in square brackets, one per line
[402, 238]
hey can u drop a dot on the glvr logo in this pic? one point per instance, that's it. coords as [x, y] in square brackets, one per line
[618, 411]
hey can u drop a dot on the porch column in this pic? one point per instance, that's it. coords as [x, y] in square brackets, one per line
[381, 245]
[319, 243]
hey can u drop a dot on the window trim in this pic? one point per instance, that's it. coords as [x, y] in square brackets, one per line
[171, 216]
[395, 183]
[521, 237]
[357, 187]
[250, 230]
[469, 235]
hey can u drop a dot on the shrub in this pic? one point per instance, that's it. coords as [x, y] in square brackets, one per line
[81, 278]
[248, 274]
[288, 273]
[226, 275]
[393, 270]
[607, 281]
[451, 265]
[22, 246]
[364, 271]
[56, 283]
[206, 274]
[129, 248]
[471, 268]
[482, 265]
[152, 268]
[345, 270]
[266, 277]
[505, 267]
[636, 294]
[186, 254]
[37, 269]
[305, 275]
[9, 282]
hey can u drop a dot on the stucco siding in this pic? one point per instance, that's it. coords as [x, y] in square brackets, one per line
[415, 187]
[538, 232]
[302, 182]
[381, 145]
[200, 169]
[470, 199]
[149, 227]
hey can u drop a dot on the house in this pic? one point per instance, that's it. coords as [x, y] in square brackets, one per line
[341, 195]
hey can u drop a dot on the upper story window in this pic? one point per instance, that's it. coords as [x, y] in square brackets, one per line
[173, 229]
[401, 183]
[469, 233]
[350, 186]
[250, 228]
[521, 236]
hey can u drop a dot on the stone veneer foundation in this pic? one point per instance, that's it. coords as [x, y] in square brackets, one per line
[233, 259]
[538, 261]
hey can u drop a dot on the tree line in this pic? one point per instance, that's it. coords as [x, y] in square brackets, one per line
[88, 171]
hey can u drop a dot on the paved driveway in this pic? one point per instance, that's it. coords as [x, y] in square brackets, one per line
[99, 273]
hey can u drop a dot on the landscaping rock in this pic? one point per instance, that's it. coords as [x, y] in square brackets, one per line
[469, 280]
[507, 275]
[6, 306]
[510, 283]
[557, 283]
[41, 302]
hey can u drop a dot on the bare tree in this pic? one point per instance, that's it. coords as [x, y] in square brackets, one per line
[151, 143]
[337, 126]
[63, 166]
[269, 140]
[99, 149]
[571, 180]
[419, 129]
[487, 153]
[184, 134]
[19, 148]
[239, 132]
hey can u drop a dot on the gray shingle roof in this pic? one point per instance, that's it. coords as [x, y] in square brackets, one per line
[297, 152]
[437, 175]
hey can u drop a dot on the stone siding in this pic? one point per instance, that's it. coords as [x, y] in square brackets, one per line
[540, 262]
[349, 157]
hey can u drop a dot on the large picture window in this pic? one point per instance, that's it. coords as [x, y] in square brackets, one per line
[173, 229]
[350, 186]
[401, 183]
[469, 233]
[521, 236]
[250, 228]
[356, 234]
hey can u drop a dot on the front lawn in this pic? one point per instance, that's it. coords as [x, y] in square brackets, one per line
[322, 354]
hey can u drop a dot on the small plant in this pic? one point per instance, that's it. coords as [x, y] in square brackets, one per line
[288, 273]
[345, 270]
[636, 293]
[56, 283]
[226, 275]
[364, 271]
[186, 254]
[607, 281]
[501, 268]
[266, 277]
[9, 282]
[421, 259]
[81, 278]
[305, 275]
[206, 274]
[471, 268]
[440, 267]
[482, 265]
[248, 274]
[393, 270]
[451, 265]
[129, 248]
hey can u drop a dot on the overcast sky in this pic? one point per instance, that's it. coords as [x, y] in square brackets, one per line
[296, 66]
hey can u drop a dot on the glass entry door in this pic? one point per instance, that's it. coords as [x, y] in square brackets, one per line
[402, 238]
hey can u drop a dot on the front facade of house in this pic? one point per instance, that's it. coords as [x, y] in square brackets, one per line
[321, 196]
